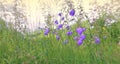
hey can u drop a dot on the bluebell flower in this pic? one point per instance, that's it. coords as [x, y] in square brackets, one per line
[97, 40]
[62, 18]
[84, 29]
[69, 33]
[79, 31]
[60, 14]
[82, 37]
[79, 42]
[56, 21]
[46, 31]
[60, 26]
[72, 12]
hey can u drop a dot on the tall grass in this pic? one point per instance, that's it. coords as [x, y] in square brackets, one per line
[39, 49]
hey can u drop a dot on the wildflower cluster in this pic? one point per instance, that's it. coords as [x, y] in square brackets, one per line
[81, 37]
[79, 30]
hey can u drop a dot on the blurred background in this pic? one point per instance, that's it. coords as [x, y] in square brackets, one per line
[32, 14]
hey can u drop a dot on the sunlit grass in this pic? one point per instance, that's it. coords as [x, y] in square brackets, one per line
[39, 49]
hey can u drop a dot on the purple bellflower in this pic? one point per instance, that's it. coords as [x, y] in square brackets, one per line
[60, 14]
[97, 40]
[79, 42]
[56, 21]
[62, 18]
[60, 26]
[82, 37]
[80, 30]
[46, 31]
[69, 33]
[72, 12]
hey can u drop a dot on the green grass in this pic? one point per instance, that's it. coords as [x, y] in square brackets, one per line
[18, 49]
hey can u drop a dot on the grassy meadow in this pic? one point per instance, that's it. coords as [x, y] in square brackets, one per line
[38, 48]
